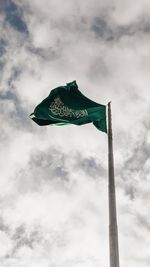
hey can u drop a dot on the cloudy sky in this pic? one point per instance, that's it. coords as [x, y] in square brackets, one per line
[53, 183]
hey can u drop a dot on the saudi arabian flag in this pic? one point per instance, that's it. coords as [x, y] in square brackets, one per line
[67, 105]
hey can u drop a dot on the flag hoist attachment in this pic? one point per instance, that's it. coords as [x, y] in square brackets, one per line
[113, 228]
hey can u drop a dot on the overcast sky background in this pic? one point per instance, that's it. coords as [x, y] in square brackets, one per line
[53, 182]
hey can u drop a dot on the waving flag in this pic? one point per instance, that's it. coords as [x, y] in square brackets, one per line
[67, 105]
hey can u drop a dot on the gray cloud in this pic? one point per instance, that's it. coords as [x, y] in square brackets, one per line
[3, 226]
[46, 54]
[13, 15]
[54, 180]
[102, 30]
[18, 116]
[90, 166]
[3, 46]
[22, 238]
[108, 30]
[51, 168]
[134, 170]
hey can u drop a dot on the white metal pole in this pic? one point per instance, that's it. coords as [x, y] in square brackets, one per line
[113, 229]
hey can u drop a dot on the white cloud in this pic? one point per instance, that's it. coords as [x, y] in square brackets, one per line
[128, 11]
[47, 187]
[6, 244]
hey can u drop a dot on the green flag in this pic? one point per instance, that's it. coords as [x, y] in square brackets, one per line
[67, 105]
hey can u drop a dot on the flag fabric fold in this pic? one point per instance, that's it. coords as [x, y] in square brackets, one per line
[67, 105]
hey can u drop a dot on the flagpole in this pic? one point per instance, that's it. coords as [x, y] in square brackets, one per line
[113, 228]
